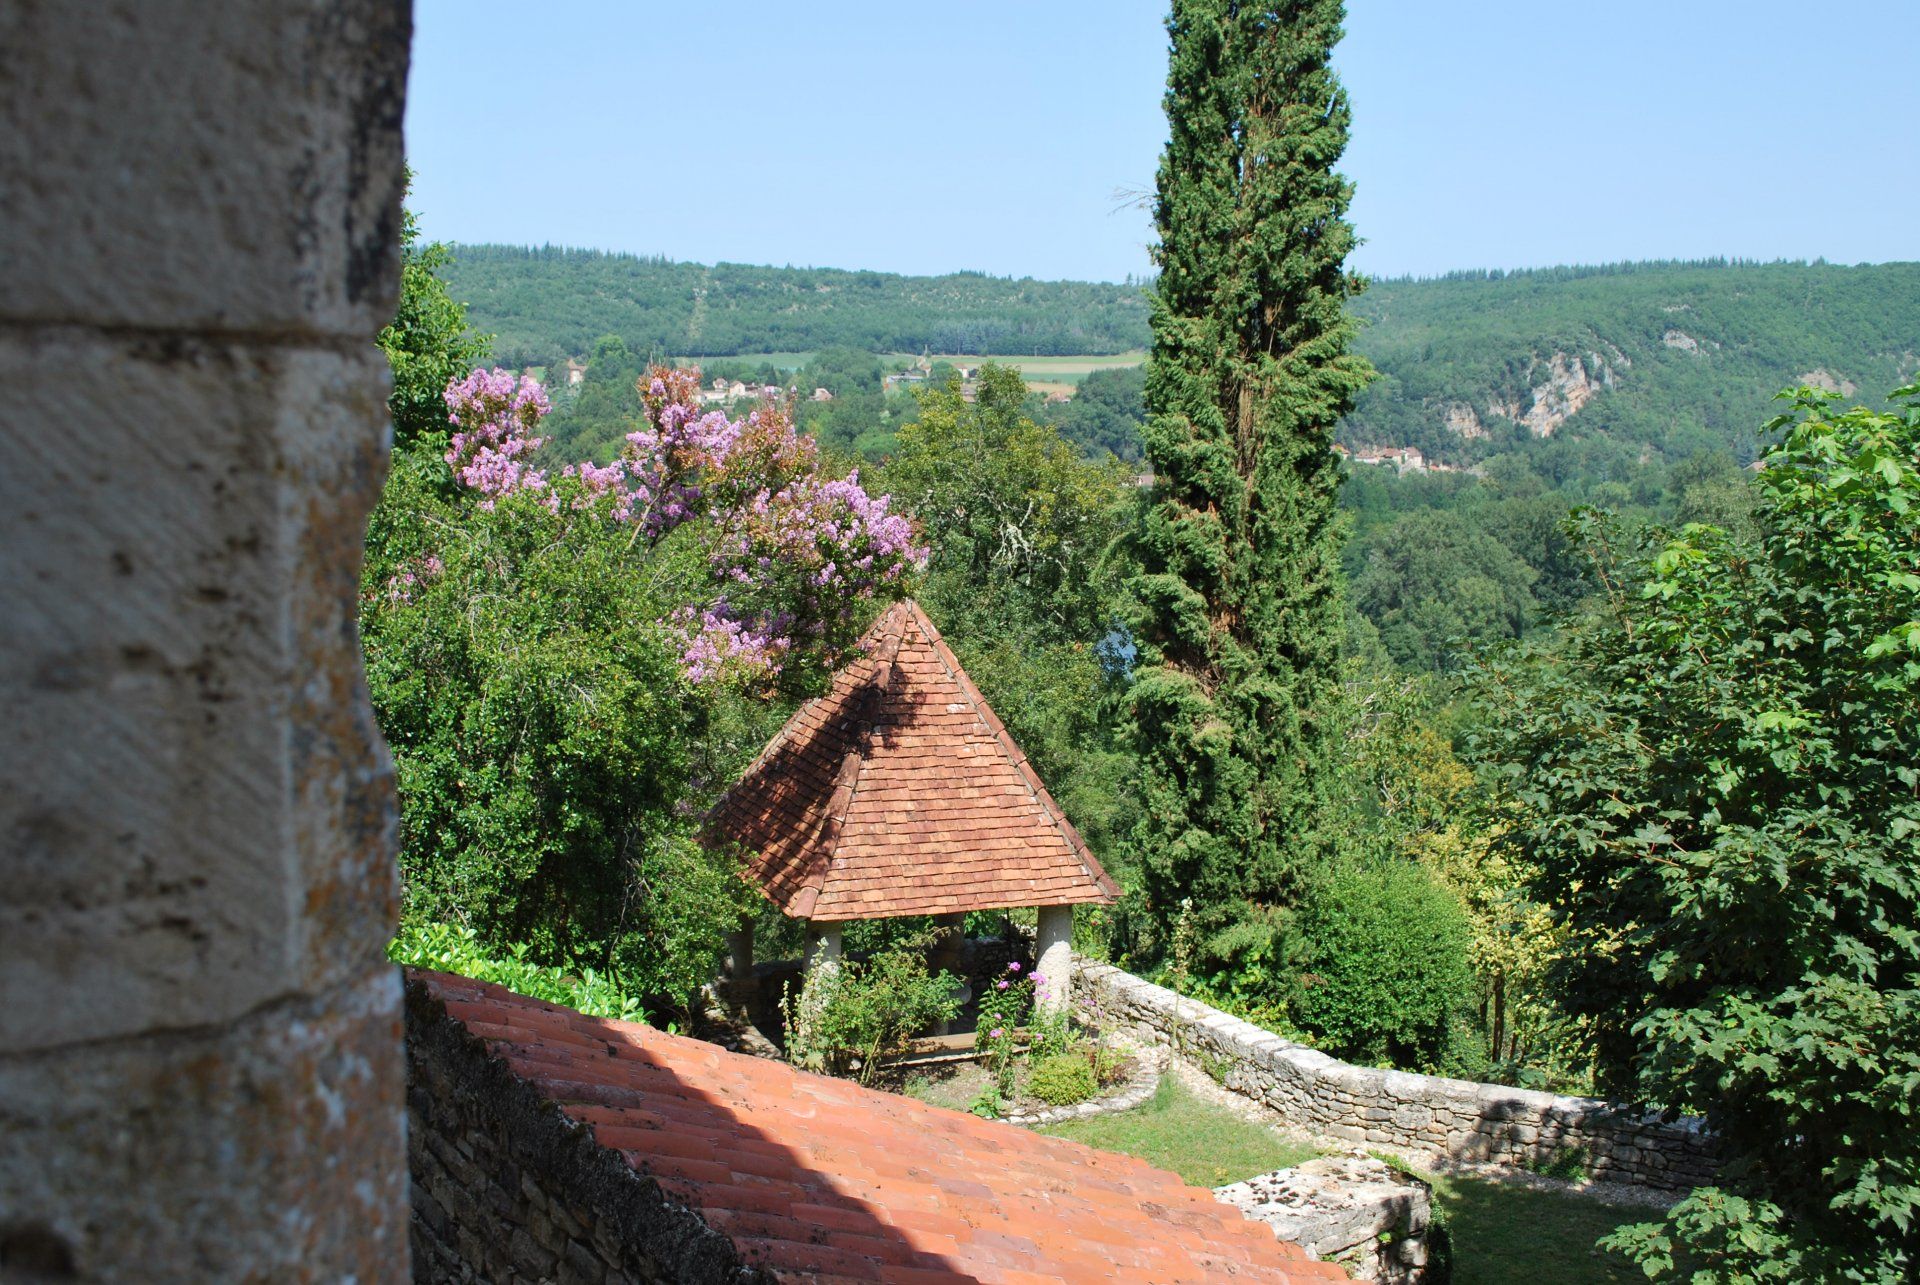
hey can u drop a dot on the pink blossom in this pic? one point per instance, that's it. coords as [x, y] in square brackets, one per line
[790, 551]
[495, 416]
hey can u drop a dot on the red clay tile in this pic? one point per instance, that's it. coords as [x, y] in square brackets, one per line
[821, 1180]
[899, 792]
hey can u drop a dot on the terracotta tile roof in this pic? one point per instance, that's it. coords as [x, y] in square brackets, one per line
[900, 793]
[823, 1181]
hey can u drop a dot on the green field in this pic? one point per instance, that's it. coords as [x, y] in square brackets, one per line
[1053, 370]
[1068, 370]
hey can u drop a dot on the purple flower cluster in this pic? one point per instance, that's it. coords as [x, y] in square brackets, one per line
[715, 642]
[494, 415]
[791, 552]
[401, 585]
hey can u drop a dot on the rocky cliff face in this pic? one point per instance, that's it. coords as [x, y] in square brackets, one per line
[1821, 377]
[1464, 420]
[1559, 386]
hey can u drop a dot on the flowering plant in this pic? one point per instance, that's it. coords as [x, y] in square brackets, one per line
[788, 553]
[493, 416]
[532, 629]
[1006, 1006]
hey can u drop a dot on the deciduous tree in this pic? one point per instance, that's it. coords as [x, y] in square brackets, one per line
[1717, 775]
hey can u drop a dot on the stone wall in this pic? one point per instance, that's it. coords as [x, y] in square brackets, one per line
[506, 1188]
[200, 1056]
[1371, 1219]
[1480, 1122]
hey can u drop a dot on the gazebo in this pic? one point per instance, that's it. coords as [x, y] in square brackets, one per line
[900, 793]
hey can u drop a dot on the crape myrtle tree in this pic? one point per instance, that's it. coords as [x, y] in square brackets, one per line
[1716, 775]
[1238, 614]
[568, 661]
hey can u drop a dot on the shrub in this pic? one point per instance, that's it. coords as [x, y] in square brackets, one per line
[1385, 949]
[848, 1016]
[1063, 1079]
[451, 948]
[1713, 772]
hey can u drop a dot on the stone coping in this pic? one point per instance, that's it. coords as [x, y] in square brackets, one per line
[1487, 1123]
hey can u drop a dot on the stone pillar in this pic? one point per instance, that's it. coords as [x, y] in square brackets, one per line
[739, 961]
[1053, 955]
[823, 946]
[201, 1073]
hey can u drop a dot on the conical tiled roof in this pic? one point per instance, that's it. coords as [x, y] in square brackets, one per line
[899, 793]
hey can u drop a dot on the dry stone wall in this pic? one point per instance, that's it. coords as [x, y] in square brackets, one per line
[1352, 1210]
[507, 1189]
[1479, 1122]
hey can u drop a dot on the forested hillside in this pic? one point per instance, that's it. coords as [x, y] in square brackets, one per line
[1682, 356]
[1679, 356]
[548, 303]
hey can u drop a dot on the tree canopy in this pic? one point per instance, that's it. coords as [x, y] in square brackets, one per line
[1715, 776]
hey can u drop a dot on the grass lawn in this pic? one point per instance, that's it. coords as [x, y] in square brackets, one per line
[1502, 1233]
[1207, 1145]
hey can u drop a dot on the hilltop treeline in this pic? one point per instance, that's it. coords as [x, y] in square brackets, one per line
[1683, 356]
[547, 303]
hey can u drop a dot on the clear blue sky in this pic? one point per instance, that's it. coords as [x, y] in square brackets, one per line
[993, 134]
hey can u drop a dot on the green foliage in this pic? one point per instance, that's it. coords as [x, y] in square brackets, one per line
[1062, 1080]
[592, 421]
[548, 303]
[1404, 796]
[1019, 524]
[1439, 583]
[1487, 341]
[450, 948]
[428, 342]
[1238, 615]
[543, 737]
[1017, 520]
[1384, 949]
[1106, 413]
[1715, 774]
[857, 421]
[851, 1014]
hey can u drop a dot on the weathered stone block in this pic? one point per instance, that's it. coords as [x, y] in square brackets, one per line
[156, 1158]
[1352, 1210]
[182, 578]
[246, 178]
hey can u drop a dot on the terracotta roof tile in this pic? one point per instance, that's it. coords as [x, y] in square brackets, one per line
[899, 792]
[822, 1181]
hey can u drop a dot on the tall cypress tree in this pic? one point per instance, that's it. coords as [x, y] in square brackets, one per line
[1239, 614]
